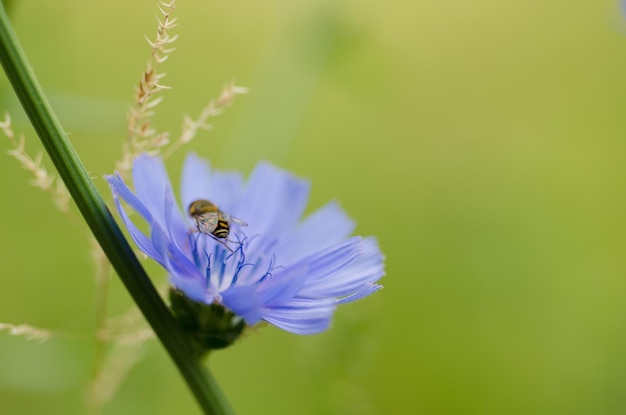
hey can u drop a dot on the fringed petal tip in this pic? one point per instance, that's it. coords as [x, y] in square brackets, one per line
[301, 316]
[367, 289]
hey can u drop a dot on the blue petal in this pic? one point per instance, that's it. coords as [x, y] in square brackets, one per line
[199, 182]
[178, 230]
[140, 239]
[365, 290]
[325, 227]
[273, 201]
[194, 289]
[183, 275]
[332, 260]
[368, 268]
[301, 316]
[195, 180]
[289, 281]
[117, 184]
[177, 263]
[227, 190]
[284, 285]
[244, 302]
[150, 180]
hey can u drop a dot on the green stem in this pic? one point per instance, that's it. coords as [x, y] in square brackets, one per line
[101, 223]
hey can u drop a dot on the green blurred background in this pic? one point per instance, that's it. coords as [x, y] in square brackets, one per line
[481, 141]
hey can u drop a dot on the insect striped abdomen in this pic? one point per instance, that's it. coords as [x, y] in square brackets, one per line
[222, 229]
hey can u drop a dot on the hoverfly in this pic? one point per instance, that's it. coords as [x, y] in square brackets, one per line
[212, 221]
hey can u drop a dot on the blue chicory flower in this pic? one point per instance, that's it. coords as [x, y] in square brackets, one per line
[280, 269]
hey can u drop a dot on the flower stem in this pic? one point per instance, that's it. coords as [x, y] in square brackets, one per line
[101, 223]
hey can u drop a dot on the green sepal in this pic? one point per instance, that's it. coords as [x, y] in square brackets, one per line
[210, 326]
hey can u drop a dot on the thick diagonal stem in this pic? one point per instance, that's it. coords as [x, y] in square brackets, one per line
[101, 223]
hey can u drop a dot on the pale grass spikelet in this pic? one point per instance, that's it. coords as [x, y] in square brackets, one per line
[119, 340]
[213, 108]
[123, 338]
[42, 179]
[228, 94]
[61, 197]
[26, 331]
[127, 339]
[102, 266]
[127, 329]
[104, 385]
[142, 137]
[121, 347]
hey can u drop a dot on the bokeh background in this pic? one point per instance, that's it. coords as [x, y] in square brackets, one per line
[481, 141]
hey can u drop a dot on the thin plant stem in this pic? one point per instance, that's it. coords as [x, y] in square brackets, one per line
[102, 224]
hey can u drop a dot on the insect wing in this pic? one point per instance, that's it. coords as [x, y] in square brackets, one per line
[238, 221]
[228, 218]
[207, 222]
